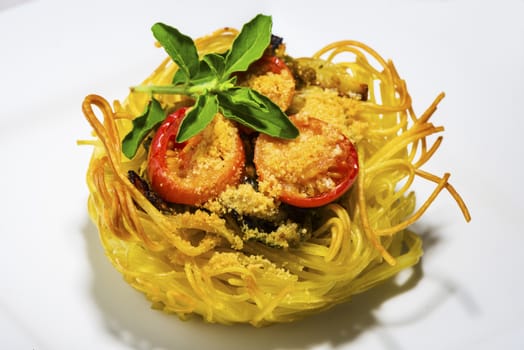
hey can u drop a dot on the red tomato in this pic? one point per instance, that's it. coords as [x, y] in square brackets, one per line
[314, 169]
[268, 63]
[198, 169]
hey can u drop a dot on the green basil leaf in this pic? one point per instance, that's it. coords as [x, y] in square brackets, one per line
[180, 77]
[179, 47]
[254, 110]
[198, 117]
[216, 62]
[249, 45]
[205, 74]
[248, 97]
[204, 81]
[142, 125]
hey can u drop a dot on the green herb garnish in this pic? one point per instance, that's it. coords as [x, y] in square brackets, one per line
[211, 82]
[142, 125]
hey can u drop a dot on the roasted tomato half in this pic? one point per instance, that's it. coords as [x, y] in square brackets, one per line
[198, 169]
[314, 169]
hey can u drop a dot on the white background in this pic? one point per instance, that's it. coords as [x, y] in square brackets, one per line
[57, 290]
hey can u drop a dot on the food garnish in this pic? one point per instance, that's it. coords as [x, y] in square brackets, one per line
[210, 80]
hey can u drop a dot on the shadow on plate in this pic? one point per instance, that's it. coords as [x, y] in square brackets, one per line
[128, 317]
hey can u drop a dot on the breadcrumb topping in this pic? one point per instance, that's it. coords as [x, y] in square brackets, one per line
[280, 88]
[208, 153]
[327, 105]
[245, 201]
[287, 234]
[312, 153]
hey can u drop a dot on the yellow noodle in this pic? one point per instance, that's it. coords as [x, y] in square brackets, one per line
[197, 263]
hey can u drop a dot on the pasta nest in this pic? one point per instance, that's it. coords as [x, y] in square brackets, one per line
[194, 263]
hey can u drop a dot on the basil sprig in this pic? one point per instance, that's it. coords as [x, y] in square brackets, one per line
[211, 81]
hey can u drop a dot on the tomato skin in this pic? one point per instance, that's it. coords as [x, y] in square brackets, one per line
[177, 184]
[328, 197]
[342, 170]
[268, 63]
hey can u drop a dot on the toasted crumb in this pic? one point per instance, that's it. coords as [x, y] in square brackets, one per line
[245, 201]
[313, 153]
[280, 88]
[287, 234]
[256, 264]
[327, 105]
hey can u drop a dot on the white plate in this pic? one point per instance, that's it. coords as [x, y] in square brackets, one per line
[58, 291]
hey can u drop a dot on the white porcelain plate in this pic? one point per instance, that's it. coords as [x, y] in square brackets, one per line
[58, 291]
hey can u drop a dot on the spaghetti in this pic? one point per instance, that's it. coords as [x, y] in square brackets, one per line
[196, 261]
